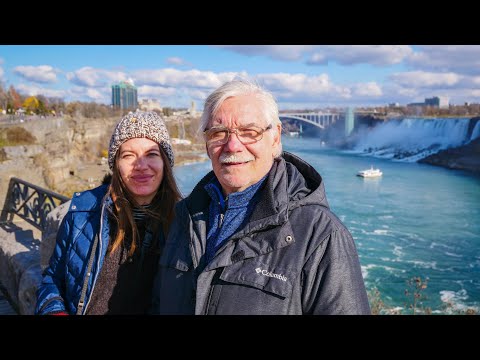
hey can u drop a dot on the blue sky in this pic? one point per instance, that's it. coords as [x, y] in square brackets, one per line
[300, 76]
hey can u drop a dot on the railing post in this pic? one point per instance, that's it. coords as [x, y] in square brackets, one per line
[6, 210]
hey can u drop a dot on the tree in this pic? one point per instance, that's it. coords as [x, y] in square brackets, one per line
[42, 108]
[31, 104]
[3, 97]
[15, 98]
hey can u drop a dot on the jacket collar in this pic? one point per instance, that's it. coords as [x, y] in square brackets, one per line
[291, 183]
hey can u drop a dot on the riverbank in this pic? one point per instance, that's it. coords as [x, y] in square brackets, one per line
[465, 157]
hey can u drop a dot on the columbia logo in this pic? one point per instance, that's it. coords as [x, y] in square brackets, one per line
[270, 274]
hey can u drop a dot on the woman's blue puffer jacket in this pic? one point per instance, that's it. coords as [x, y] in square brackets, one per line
[63, 280]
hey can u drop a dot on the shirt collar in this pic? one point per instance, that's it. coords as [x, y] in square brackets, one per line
[234, 200]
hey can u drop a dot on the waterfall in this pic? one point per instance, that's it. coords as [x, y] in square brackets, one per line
[413, 139]
[476, 131]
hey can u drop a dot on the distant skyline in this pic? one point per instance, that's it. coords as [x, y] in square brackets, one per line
[300, 76]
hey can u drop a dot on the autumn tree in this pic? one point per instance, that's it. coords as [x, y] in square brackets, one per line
[31, 104]
[14, 98]
[3, 98]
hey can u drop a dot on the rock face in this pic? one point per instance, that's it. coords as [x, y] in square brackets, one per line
[465, 157]
[64, 146]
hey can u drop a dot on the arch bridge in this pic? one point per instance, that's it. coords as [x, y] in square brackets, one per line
[320, 120]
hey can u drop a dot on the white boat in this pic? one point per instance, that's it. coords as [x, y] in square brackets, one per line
[370, 173]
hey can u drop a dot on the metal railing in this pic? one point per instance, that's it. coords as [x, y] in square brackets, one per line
[30, 202]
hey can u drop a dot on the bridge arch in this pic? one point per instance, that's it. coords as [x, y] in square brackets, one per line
[320, 120]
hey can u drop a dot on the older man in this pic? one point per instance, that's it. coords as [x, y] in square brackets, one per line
[256, 235]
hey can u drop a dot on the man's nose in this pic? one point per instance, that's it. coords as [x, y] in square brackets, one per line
[233, 142]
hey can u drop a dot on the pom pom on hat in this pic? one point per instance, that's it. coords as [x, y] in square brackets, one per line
[140, 124]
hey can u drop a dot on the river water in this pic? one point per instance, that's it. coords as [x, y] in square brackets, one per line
[416, 220]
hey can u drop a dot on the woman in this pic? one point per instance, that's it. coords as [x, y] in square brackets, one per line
[110, 240]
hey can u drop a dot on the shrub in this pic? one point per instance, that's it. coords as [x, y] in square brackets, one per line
[19, 136]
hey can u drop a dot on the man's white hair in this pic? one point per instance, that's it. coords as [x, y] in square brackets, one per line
[239, 87]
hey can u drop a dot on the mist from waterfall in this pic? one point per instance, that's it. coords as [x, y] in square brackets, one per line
[413, 139]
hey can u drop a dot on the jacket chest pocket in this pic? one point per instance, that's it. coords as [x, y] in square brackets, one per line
[173, 288]
[176, 259]
[252, 287]
[270, 278]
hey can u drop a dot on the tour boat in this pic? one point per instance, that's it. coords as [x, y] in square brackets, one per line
[370, 173]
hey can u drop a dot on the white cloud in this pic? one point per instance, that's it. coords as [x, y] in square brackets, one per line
[91, 77]
[33, 90]
[369, 89]
[300, 87]
[177, 61]
[278, 52]
[147, 91]
[379, 55]
[463, 59]
[99, 95]
[39, 74]
[422, 79]
[95, 94]
[174, 77]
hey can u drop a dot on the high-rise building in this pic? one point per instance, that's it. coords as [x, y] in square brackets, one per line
[438, 101]
[124, 95]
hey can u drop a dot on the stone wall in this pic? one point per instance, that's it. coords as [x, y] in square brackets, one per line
[23, 257]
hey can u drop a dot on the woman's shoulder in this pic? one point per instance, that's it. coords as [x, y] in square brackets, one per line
[88, 199]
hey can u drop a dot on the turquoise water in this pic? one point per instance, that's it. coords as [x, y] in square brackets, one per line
[416, 220]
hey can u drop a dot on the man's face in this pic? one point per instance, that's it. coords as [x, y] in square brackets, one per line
[236, 165]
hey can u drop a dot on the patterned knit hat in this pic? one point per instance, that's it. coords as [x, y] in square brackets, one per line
[140, 124]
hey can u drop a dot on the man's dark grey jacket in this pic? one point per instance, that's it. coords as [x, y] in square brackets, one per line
[294, 256]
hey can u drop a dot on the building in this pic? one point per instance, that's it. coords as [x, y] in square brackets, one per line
[150, 105]
[192, 111]
[124, 95]
[437, 101]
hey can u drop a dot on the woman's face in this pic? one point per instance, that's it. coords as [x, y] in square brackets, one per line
[141, 167]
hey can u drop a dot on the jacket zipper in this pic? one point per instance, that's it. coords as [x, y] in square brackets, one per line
[209, 300]
[215, 277]
[98, 261]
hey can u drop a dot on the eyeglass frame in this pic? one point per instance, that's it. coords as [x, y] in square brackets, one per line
[235, 131]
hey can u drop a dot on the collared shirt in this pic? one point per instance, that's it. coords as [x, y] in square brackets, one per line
[227, 215]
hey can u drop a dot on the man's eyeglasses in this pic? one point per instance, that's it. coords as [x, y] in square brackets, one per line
[246, 135]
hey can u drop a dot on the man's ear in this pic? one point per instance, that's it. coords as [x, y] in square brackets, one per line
[278, 134]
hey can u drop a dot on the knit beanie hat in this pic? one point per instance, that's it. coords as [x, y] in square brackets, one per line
[140, 124]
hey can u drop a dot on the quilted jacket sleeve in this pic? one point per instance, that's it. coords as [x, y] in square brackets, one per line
[50, 293]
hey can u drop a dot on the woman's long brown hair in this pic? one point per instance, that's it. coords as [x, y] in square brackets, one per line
[161, 209]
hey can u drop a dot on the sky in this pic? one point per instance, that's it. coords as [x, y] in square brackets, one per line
[299, 76]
